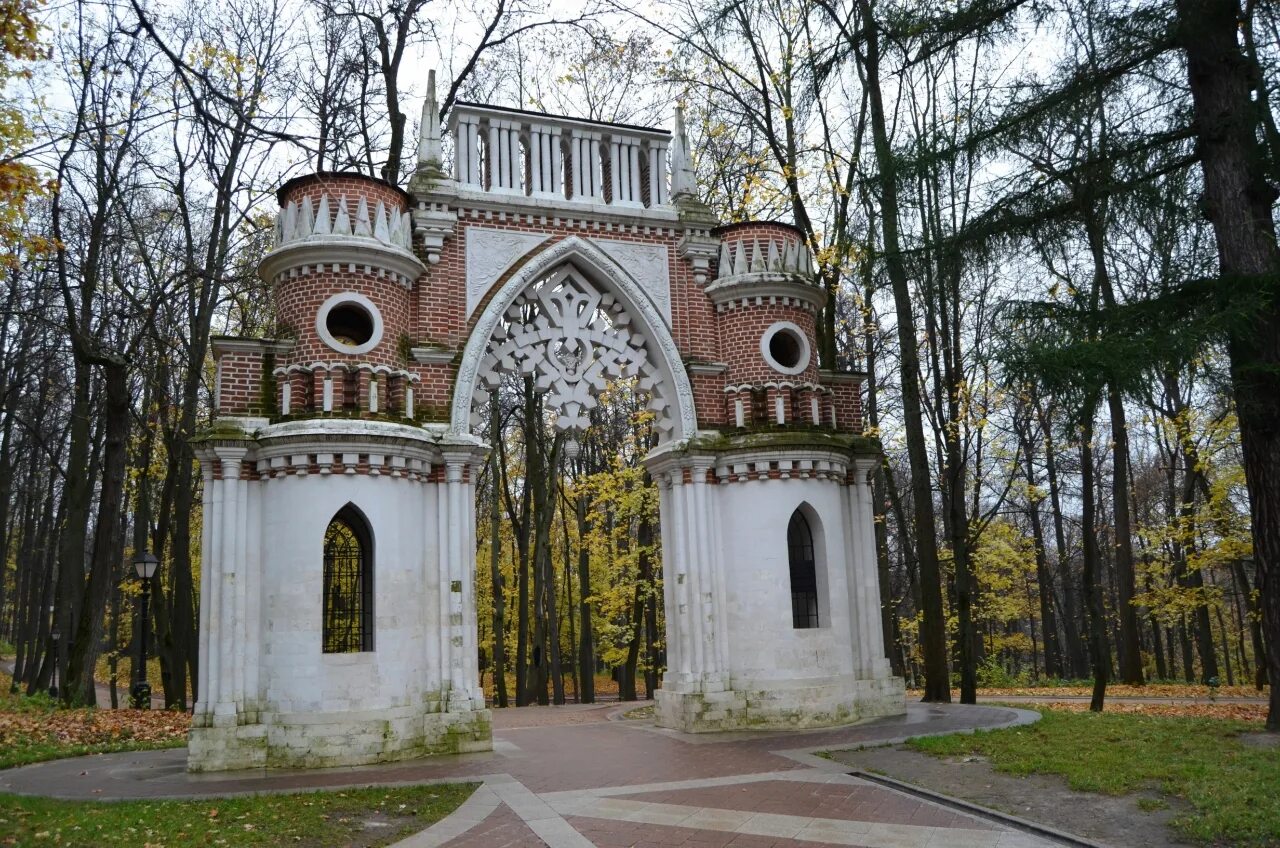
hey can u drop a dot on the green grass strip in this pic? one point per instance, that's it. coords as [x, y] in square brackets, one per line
[1233, 789]
[355, 817]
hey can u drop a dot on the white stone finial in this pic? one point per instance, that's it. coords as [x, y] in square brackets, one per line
[682, 178]
[430, 150]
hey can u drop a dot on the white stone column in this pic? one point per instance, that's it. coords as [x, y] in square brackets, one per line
[210, 522]
[686, 596]
[584, 148]
[719, 580]
[706, 554]
[254, 548]
[435, 618]
[657, 174]
[466, 156]
[849, 513]
[670, 600]
[471, 613]
[459, 683]
[864, 545]
[229, 585]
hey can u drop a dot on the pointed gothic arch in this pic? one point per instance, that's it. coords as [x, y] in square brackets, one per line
[347, 587]
[645, 348]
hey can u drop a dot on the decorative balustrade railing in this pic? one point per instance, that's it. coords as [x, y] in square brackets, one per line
[511, 152]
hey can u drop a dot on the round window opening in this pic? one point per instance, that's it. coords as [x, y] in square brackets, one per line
[350, 324]
[785, 348]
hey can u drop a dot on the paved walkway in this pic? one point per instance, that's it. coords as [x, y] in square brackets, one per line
[568, 777]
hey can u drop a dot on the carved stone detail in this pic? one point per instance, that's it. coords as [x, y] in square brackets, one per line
[489, 254]
[674, 385]
[573, 340]
[650, 266]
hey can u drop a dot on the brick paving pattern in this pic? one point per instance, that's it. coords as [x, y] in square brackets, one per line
[569, 777]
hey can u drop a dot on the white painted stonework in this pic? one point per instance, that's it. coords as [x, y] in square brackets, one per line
[268, 695]
[649, 264]
[733, 658]
[489, 254]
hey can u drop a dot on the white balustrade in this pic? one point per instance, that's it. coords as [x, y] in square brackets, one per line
[508, 152]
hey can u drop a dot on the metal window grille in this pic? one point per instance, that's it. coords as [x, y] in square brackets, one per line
[804, 575]
[348, 586]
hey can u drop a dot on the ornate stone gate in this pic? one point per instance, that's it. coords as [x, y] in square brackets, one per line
[338, 614]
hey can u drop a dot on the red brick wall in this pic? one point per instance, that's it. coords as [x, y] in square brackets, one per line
[240, 383]
[847, 400]
[434, 314]
[763, 231]
[339, 186]
[741, 329]
[299, 298]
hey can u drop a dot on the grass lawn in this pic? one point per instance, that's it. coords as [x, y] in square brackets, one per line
[33, 729]
[354, 817]
[1232, 788]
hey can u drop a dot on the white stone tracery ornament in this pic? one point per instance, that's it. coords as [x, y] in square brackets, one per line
[573, 339]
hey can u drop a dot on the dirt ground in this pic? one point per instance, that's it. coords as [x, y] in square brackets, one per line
[1111, 820]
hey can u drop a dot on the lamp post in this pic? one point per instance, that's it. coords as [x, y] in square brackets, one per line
[145, 565]
[57, 655]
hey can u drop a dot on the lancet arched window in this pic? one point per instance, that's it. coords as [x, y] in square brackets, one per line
[348, 583]
[804, 572]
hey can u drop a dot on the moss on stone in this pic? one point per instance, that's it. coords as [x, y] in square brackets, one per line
[790, 437]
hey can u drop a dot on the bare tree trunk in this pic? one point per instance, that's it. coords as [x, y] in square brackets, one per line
[496, 478]
[1099, 651]
[586, 649]
[108, 538]
[933, 629]
[1238, 201]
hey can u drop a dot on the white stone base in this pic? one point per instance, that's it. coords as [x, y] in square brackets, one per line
[335, 739]
[793, 706]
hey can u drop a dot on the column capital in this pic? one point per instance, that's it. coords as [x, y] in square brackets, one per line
[231, 457]
[865, 465]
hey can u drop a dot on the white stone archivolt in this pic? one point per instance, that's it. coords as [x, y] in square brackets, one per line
[574, 319]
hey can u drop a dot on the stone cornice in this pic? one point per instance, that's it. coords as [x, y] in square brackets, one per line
[221, 345]
[853, 378]
[712, 368]
[659, 216]
[346, 252]
[766, 284]
[432, 355]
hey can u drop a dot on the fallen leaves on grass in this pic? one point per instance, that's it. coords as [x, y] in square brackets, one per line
[34, 729]
[93, 727]
[1225, 712]
[1186, 691]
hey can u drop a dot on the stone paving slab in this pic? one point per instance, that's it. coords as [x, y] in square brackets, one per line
[854, 801]
[573, 779]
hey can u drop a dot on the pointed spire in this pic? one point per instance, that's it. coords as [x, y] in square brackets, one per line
[430, 151]
[682, 179]
[289, 230]
[322, 216]
[740, 258]
[726, 262]
[342, 221]
[362, 227]
[306, 219]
